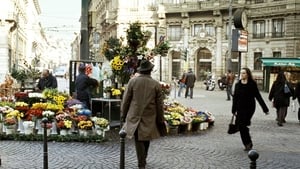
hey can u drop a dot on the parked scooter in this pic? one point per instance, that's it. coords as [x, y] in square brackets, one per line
[222, 82]
[210, 82]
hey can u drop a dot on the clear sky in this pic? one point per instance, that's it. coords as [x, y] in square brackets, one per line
[60, 18]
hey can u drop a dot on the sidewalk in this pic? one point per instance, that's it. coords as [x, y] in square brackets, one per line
[278, 147]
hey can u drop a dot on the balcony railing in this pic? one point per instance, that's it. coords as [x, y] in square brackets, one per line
[277, 34]
[259, 35]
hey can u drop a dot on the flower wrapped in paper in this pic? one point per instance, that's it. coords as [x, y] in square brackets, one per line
[102, 123]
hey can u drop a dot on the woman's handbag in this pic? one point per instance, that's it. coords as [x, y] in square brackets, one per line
[232, 128]
[287, 89]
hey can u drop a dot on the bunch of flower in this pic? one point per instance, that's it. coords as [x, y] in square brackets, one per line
[10, 121]
[21, 106]
[60, 99]
[14, 114]
[42, 106]
[36, 95]
[21, 95]
[49, 93]
[53, 94]
[64, 124]
[54, 107]
[186, 120]
[37, 113]
[62, 116]
[79, 118]
[85, 124]
[101, 122]
[48, 114]
[166, 88]
[117, 64]
[173, 118]
[116, 92]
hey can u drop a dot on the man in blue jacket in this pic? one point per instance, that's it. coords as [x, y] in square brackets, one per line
[82, 86]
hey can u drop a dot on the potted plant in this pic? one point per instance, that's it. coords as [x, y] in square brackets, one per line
[101, 125]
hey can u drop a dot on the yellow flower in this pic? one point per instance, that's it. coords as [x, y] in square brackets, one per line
[116, 92]
[117, 63]
[68, 124]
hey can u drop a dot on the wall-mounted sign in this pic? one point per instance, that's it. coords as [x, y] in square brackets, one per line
[239, 40]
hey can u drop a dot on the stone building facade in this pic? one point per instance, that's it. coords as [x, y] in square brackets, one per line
[22, 40]
[198, 31]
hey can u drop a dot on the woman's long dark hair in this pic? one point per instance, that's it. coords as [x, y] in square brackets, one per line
[248, 71]
[280, 77]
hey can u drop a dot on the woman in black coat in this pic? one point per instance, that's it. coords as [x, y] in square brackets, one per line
[281, 100]
[243, 105]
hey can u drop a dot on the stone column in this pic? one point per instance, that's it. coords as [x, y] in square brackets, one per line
[218, 51]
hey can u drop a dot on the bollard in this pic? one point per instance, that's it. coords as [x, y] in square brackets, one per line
[45, 121]
[122, 134]
[253, 155]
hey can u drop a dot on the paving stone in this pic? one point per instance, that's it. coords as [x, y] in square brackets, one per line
[278, 147]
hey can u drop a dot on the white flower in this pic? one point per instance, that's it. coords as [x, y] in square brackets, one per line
[39, 95]
[48, 113]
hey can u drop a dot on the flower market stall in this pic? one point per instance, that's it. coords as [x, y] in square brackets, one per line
[65, 116]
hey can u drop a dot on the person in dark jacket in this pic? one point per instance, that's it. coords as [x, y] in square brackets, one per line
[190, 80]
[82, 86]
[297, 96]
[281, 100]
[243, 105]
[46, 81]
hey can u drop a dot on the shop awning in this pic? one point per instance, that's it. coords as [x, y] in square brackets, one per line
[281, 61]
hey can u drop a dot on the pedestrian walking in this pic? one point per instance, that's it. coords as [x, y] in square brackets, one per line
[243, 105]
[229, 82]
[181, 83]
[142, 110]
[83, 83]
[280, 94]
[189, 82]
[297, 96]
[46, 81]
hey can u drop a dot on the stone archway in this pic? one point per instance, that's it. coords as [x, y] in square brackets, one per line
[203, 63]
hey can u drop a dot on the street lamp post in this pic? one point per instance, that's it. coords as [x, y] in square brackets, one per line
[160, 68]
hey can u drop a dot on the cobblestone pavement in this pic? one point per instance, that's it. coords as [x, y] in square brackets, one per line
[278, 147]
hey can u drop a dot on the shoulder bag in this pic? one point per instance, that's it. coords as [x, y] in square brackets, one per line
[232, 128]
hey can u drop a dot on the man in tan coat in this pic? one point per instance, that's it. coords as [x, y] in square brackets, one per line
[142, 109]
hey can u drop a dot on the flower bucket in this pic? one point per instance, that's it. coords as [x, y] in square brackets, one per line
[172, 130]
[203, 125]
[64, 132]
[195, 126]
[28, 127]
[20, 126]
[54, 128]
[83, 132]
[107, 95]
[183, 128]
[10, 129]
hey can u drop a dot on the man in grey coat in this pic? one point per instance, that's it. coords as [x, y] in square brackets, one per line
[142, 109]
[190, 82]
